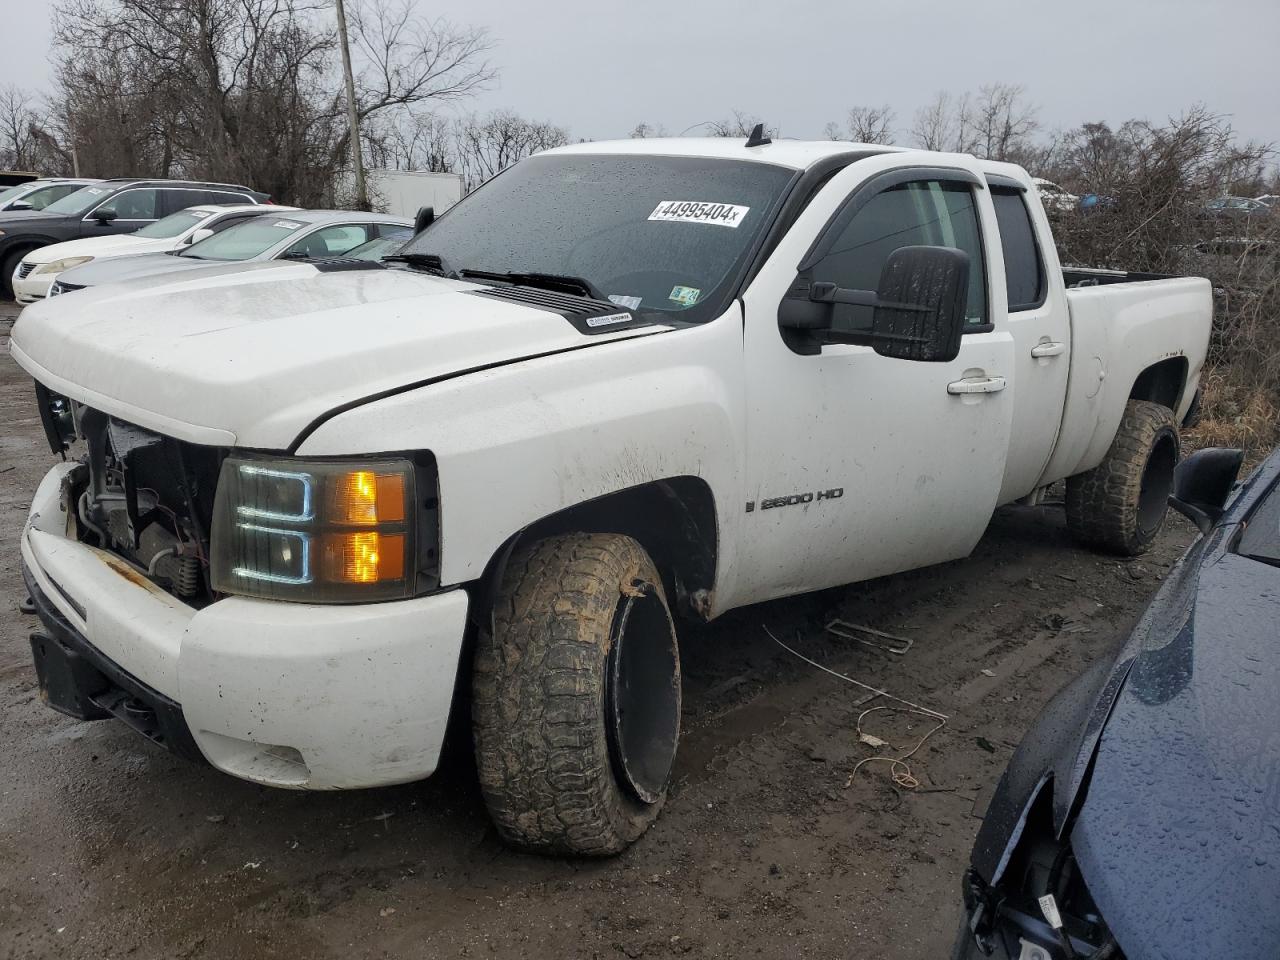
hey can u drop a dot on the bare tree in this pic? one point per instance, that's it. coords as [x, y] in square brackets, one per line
[643, 129]
[1001, 122]
[485, 146]
[245, 90]
[739, 124]
[944, 124]
[871, 124]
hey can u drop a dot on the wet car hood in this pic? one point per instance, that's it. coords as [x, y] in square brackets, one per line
[1178, 837]
[132, 267]
[250, 354]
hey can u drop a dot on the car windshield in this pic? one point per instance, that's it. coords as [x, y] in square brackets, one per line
[172, 225]
[12, 192]
[1261, 537]
[650, 233]
[245, 240]
[379, 248]
[77, 203]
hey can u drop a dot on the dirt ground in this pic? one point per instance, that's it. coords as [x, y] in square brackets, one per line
[770, 845]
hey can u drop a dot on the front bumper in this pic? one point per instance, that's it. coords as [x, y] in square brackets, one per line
[285, 694]
[32, 288]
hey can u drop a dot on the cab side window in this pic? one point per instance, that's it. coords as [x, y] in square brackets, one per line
[1024, 273]
[920, 213]
[331, 241]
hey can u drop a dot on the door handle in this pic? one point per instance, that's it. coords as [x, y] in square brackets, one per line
[1050, 349]
[976, 385]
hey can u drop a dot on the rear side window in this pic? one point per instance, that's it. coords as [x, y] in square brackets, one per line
[1023, 268]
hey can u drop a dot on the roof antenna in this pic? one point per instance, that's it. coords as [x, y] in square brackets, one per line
[758, 138]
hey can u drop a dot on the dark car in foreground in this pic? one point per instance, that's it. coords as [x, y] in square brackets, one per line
[1142, 812]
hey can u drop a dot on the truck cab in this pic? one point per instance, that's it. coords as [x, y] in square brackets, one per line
[620, 384]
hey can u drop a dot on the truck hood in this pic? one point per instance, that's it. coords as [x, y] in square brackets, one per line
[133, 267]
[115, 245]
[1178, 836]
[250, 355]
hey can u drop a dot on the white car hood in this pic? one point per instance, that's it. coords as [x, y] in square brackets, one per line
[250, 355]
[117, 245]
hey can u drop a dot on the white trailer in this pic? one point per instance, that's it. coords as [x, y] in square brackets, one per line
[403, 192]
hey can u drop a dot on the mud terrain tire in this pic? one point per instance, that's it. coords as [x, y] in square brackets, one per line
[580, 624]
[1120, 504]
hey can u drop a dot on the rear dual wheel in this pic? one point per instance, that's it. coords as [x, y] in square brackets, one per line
[576, 696]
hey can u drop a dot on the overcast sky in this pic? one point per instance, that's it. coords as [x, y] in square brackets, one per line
[599, 67]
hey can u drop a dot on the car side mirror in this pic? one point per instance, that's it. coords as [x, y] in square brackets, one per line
[21, 205]
[204, 233]
[917, 310]
[104, 214]
[1202, 482]
[426, 216]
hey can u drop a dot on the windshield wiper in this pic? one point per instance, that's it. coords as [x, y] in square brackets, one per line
[431, 262]
[562, 282]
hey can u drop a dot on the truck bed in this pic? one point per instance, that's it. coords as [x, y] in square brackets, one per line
[1100, 276]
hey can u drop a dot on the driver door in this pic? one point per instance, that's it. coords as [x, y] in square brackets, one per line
[859, 465]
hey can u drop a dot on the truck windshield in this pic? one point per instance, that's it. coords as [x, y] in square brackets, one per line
[648, 232]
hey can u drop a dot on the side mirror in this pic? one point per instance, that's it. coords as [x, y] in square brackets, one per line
[917, 311]
[21, 205]
[426, 216]
[1202, 482]
[204, 233]
[104, 214]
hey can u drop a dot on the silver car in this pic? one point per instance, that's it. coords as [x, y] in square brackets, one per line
[295, 235]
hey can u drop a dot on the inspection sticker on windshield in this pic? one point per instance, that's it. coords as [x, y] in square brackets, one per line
[287, 224]
[606, 320]
[685, 296]
[690, 211]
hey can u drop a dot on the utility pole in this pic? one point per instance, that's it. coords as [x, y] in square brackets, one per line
[353, 119]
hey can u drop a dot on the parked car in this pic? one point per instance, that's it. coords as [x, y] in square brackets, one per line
[103, 208]
[296, 235]
[40, 268]
[1139, 815]
[618, 381]
[1235, 208]
[38, 194]
[384, 246]
[1054, 197]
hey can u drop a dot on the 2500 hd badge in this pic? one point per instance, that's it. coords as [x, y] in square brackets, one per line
[834, 493]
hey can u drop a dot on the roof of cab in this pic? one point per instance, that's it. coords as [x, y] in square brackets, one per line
[797, 154]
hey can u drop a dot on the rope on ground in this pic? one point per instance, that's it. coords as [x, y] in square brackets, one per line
[899, 769]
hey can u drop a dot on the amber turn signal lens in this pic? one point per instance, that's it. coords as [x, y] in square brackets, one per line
[365, 557]
[363, 496]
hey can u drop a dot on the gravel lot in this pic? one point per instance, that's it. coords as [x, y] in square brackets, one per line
[770, 846]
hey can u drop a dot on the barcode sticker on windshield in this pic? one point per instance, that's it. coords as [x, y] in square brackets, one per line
[605, 321]
[287, 224]
[690, 211]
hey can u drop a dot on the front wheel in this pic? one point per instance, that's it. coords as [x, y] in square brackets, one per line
[7, 266]
[576, 707]
[1120, 505]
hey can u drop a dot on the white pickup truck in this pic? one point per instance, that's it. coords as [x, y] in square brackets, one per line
[312, 509]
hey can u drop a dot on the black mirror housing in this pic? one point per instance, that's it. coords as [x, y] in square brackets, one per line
[921, 300]
[423, 219]
[917, 312]
[1203, 481]
[104, 215]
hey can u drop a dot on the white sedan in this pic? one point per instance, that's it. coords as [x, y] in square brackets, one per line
[41, 267]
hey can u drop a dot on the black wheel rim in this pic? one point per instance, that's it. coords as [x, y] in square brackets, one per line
[1157, 484]
[642, 695]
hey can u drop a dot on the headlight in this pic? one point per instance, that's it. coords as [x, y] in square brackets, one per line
[318, 531]
[57, 266]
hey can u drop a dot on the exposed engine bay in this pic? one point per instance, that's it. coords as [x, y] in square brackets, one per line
[143, 496]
